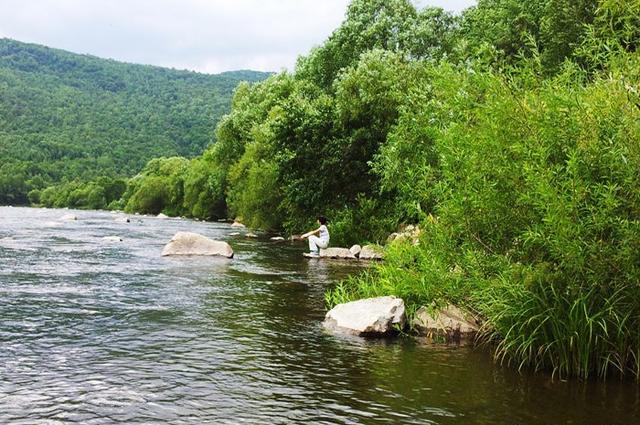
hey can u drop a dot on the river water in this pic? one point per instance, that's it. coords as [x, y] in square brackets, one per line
[96, 332]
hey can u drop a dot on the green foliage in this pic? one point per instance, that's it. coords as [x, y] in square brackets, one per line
[96, 194]
[159, 187]
[66, 117]
[505, 31]
[538, 216]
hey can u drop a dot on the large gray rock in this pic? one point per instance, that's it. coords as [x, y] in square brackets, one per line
[450, 323]
[187, 243]
[337, 253]
[371, 316]
[371, 252]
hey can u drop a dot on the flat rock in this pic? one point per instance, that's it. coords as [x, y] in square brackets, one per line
[337, 253]
[187, 243]
[450, 323]
[368, 317]
[371, 252]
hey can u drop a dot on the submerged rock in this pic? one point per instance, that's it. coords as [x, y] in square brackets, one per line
[371, 252]
[450, 323]
[355, 250]
[112, 239]
[187, 243]
[368, 317]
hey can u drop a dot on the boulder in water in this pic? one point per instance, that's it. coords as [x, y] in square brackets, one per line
[368, 317]
[162, 216]
[450, 323]
[187, 243]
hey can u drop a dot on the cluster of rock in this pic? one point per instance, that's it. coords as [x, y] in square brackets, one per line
[383, 316]
[410, 233]
[356, 252]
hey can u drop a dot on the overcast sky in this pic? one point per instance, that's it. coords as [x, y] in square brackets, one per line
[202, 35]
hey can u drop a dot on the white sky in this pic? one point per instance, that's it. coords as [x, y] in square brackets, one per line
[202, 35]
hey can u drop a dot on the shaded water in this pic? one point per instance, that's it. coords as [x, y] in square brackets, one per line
[100, 332]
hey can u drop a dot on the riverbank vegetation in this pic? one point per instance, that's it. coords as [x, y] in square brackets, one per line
[509, 133]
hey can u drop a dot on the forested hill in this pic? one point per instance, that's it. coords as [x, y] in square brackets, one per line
[66, 116]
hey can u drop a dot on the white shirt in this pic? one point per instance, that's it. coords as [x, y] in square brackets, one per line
[324, 233]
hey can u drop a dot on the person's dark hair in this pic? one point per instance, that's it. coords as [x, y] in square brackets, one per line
[322, 219]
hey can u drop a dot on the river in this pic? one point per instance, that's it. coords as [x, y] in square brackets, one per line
[97, 332]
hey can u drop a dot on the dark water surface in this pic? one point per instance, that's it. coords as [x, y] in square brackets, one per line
[100, 332]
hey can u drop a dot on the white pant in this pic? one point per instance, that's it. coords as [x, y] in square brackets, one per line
[315, 243]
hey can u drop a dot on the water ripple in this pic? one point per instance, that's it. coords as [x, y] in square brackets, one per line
[94, 332]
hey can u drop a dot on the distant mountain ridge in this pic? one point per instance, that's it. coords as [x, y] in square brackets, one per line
[66, 116]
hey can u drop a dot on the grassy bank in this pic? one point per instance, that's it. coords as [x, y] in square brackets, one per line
[536, 225]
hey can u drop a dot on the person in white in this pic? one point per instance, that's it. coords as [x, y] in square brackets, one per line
[318, 238]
